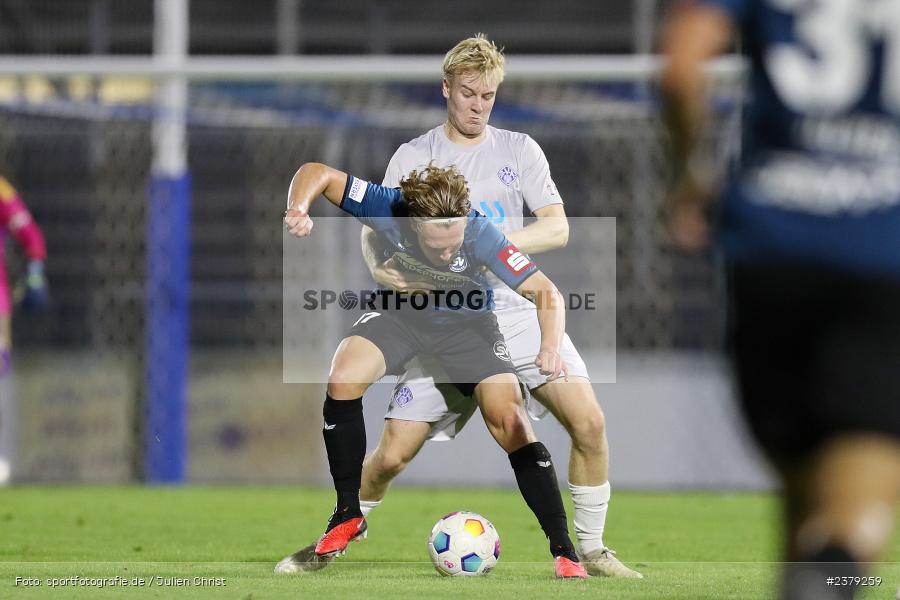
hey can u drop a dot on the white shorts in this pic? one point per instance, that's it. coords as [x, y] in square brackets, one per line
[416, 396]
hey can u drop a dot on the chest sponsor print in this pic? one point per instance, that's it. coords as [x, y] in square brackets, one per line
[497, 215]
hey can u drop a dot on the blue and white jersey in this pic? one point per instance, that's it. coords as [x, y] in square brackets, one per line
[819, 181]
[507, 173]
[485, 248]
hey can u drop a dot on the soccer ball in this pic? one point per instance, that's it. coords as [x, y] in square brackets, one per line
[464, 543]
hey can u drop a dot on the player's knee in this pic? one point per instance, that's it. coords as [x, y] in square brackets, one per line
[589, 431]
[510, 429]
[389, 464]
[340, 388]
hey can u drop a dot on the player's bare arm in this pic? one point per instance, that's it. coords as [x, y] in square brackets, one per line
[549, 232]
[551, 314]
[386, 272]
[695, 34]
[309, 182]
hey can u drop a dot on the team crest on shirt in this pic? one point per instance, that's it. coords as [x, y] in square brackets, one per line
[502, 351]
[507, 175]
[459, 264]
[403, 396]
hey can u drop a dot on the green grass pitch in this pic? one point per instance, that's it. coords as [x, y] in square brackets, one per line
[693, 546]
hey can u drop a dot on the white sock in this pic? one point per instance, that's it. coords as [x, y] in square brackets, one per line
[591, 502]
[367, 505]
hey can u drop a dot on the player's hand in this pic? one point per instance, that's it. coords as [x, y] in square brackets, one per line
[390, 275]
[32, 294]
[550, 363]
[297, 222]
[688, 219]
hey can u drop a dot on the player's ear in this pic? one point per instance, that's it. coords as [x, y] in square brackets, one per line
[445, 87]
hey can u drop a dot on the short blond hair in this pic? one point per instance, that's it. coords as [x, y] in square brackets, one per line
[435, 193]
[477, 54]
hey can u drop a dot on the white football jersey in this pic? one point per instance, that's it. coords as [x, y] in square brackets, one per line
[506, 172]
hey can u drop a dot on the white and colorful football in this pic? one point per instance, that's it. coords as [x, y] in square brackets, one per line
[464, 544]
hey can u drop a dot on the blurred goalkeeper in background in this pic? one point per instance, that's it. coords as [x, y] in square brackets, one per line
[811, 224]
[32, 296]
[507, 172]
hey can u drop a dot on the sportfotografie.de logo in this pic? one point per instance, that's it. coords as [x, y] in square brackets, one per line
[476, 299]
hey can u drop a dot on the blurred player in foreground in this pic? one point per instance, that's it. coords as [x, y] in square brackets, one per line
[428, 225]
[32, 296]
[506, 171]
[811, 224]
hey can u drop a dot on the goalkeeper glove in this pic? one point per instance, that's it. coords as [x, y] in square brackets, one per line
[35, 297]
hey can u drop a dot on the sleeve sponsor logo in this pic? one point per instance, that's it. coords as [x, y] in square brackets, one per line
[358, 190]
[514, 260]
[550, 188]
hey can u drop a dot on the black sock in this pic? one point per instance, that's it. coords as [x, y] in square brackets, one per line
[809, 579]
[345, 443]
[537, 483]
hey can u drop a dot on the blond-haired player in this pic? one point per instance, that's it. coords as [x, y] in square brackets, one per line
[429, 222]
[506, 172]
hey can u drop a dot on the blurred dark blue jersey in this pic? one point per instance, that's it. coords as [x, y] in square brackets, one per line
[484, 248]
[819, 180]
